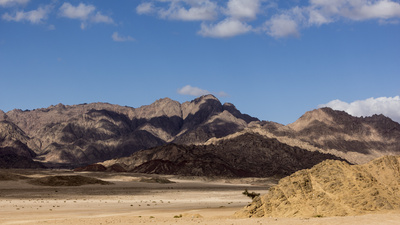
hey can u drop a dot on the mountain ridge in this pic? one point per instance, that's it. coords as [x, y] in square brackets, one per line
[247, 155]
[88, 133]
[83, 134]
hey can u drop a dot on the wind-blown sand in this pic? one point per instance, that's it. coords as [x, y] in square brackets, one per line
[129, 201]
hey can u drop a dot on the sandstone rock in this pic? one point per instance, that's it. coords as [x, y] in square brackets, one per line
[333, 188]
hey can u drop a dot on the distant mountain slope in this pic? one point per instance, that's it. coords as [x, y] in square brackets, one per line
[332, 188]
[14, 150]
[357, 139]
[248, 155]
[88, 133]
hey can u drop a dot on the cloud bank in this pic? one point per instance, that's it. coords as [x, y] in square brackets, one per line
[224, 19]
[388, 106]
[34, 16]
[86, 13]
[8, 3]
[228, 18]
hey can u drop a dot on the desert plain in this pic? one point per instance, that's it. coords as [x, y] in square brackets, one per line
[144, 199]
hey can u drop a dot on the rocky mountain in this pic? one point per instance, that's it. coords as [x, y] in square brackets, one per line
[248, 155]
[15, 148]
[332, 188]
[88, 133]
[79, 135]
[356, 139]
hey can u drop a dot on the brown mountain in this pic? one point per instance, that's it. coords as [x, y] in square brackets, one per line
[356, 139]
[248, 155]
[83, 134]
[14, 150]
[332, 188]
[88, 133]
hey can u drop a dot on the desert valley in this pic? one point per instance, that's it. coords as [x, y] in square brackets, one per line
[191, 162]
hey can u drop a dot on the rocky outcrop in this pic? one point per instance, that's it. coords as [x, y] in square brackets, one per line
[332, 188]
[248, 155]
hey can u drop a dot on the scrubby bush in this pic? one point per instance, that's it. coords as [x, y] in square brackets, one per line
[251, 195]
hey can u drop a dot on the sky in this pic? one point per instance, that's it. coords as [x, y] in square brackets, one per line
[272, 59]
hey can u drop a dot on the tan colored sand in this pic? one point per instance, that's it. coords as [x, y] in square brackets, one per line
[131, 202]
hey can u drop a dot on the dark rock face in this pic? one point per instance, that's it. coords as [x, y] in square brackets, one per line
[248, 155]
[11, 160]
[89, 133]
[93, 167]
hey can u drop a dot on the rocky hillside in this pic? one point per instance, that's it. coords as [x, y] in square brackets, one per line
[356, 139]
[248, 155]
[332, 188]
[14, 150]
[80, 135]
[88, 133]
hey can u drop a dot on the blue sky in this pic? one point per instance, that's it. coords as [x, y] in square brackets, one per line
[274, 60]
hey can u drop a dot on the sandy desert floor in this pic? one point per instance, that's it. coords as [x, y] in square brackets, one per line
[129, 201]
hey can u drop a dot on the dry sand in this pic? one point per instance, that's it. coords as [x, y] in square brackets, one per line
[128, 201]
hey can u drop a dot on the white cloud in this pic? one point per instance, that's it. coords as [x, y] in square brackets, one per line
[200, 10]
[384, 9]
[320, 12]
[35, 16]
[145, 8]
[388, 106]
[84, 13]
[356, 10]
[100, 18]
[222, 94]
[7, 3]
[194, 91]
[317, 18]
[282, 26]
[224, 29]
[118, 38]
[81, 11]
[243, 9]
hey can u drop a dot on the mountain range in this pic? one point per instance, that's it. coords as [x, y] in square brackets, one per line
[198, 137]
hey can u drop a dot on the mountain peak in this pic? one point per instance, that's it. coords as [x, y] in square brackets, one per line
[209, 96]
[203, 98]
[322, 115]
[206, 102]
